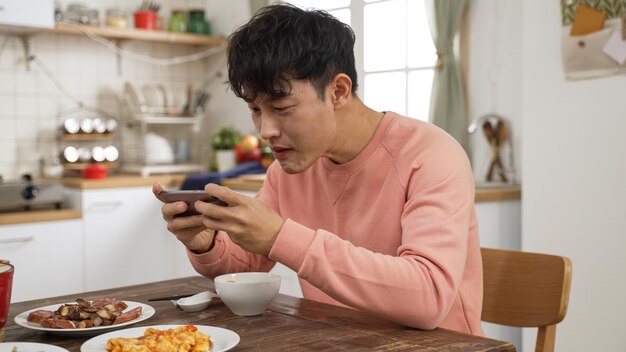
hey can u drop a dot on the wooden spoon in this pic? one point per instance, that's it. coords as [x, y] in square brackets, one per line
[502, 134]
[492, 139]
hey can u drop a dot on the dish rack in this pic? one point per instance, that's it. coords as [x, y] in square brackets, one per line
[149, 132]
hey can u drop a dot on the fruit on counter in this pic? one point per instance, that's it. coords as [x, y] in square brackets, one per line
[249, 142]
[248, 148]
[267, 157]
[247, 155]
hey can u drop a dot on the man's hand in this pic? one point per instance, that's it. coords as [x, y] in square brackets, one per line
[249, 222]
[189, 230]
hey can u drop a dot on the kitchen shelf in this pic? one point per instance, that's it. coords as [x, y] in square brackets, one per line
[142, 34]
[165, 119]
[81, 166]
[88, 137]
[148, 170]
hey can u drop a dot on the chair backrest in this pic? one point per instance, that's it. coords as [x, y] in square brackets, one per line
[524, 289]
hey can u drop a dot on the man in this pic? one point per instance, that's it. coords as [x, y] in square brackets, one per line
[373, 210]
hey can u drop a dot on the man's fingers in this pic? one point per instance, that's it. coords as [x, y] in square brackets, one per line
[169, 210]
[223, 193]
[184, 223]
[157, 188]
[215, 224]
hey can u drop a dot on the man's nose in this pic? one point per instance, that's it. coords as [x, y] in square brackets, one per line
[268, 128]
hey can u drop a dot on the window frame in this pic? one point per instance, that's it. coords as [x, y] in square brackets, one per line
[357, 10]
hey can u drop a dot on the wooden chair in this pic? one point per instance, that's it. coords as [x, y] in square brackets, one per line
[524, 289]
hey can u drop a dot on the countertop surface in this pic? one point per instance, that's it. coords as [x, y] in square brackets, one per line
[250, 183]
[491, 193]
[23, 217]
[119, 181]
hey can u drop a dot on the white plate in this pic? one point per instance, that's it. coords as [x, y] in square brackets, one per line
[222, 339]
[153, 96]
[146, 312]
[30, 347]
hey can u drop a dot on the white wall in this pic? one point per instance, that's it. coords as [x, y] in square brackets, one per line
[494, 77]
[569, 140]
[574, 158]
[494, 85]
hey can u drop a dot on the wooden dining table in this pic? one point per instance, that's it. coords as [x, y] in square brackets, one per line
[288, 324]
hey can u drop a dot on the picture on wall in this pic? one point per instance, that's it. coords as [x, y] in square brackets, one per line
[593, 38]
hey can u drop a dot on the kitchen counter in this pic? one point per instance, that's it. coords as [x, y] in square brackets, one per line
[499, 193]
[23, 217]
[118, 181]
[114, 181]
[243, 183]
[252, 183]
[483, 194]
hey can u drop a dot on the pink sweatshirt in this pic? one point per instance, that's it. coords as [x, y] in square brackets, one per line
[392, 232]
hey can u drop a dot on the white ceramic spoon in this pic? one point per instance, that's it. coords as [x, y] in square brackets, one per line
[196, 302]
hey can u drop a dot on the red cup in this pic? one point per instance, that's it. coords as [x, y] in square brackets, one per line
[147, 20]
[6, 283]
[95, 171]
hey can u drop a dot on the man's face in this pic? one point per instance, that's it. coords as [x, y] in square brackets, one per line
[299, 128]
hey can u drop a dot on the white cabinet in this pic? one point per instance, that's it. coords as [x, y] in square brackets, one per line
[289, 283]
[24, 14]
[47, 258]
[500, 224]
[181, 267]
[125, 237]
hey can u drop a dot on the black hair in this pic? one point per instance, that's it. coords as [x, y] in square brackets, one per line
[283, 42]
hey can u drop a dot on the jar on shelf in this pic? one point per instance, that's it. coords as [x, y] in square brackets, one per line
[178, 22]
[86, 125]
[197, 22]
[116, 18]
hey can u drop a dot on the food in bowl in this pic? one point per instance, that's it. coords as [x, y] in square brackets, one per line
[247, 294]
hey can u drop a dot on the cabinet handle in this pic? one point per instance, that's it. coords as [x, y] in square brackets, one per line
[17, 240]
[104, 205]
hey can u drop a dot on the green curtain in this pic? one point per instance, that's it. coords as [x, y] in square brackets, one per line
[447, 105]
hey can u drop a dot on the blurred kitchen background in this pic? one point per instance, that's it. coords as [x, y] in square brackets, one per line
[65, 72]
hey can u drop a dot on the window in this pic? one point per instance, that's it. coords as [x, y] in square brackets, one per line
[394, 51]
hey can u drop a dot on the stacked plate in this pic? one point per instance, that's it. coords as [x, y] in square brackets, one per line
[155, 98]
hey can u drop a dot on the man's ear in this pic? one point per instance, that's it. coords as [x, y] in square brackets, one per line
[341, 90]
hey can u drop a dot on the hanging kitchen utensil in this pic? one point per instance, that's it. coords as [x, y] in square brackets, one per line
[495, 136]
[502, 132]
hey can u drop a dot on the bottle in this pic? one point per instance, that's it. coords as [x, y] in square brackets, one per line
[177, 22]
[197, 22]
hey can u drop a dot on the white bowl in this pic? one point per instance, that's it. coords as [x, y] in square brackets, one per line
[247, 294]
[196, 302]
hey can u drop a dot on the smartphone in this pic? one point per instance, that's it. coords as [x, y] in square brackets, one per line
[189, 197]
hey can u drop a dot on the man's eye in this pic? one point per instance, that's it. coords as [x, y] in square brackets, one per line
[255, 110]
[282, 108]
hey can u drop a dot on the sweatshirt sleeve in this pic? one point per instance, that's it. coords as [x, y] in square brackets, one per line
[417, 286]
[226, 256]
